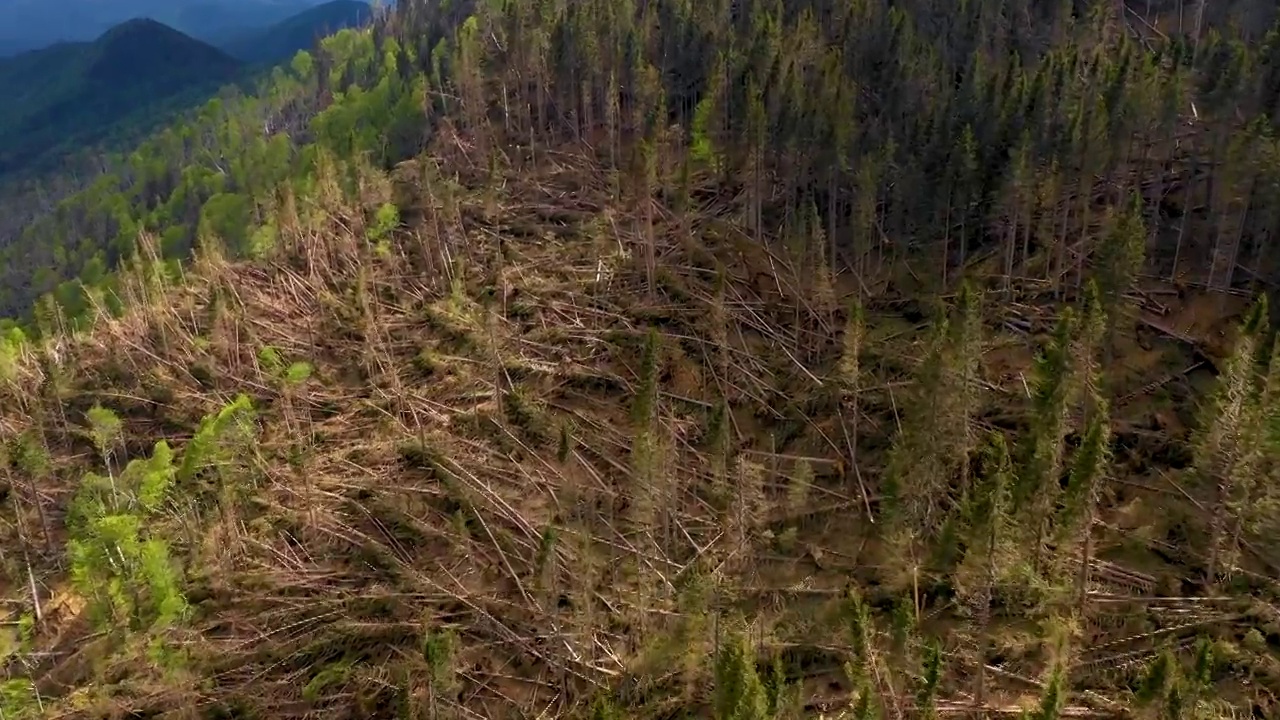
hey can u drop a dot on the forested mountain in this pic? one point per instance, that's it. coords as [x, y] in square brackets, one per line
[738, 359]
[281, 41]
[34, 24]
[73, 94]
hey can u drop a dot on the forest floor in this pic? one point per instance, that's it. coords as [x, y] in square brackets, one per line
[462, 458]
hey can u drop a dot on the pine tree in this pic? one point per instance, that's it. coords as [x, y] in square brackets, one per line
[1085, 351]
[1120, 259]
[927, 693]
[1224, 455]
[913, 491]
[965, 361]
[849, 377]
[646, 453]
[1051, 401]
[739, 692]
[105, 429]
[988, 548]
[1074, 524]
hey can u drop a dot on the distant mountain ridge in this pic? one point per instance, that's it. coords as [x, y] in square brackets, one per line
[34, 24]
[77, 97]
[298, 32]
[74, 93]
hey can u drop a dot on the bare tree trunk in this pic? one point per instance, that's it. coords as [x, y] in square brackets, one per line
[1009, 242]
[1199, 21]
[1086, 559]
[1061, 239]
[1186, 214]
[1217, 528]
[946, 238]
[1235, 246]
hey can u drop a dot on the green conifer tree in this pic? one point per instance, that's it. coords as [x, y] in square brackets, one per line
[988, 546]
[1225, 457]
[739, 693]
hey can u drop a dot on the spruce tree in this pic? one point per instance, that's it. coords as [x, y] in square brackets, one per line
[1120, 259]
[849, 378]
[1225, 457]
[1074, 524]
[1035, 495]
[739, 693]
[988, 547]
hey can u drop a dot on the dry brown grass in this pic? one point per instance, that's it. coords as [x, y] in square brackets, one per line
[446, 372]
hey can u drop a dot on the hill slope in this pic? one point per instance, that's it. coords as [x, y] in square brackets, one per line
[562, 473]
[299, 32]
[73, 93]
[586, 360]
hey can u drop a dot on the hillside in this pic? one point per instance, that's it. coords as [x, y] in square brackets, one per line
[282, 40]
[73, 94]
[745, 361]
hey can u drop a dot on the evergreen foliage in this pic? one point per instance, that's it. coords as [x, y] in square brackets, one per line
[286, 415]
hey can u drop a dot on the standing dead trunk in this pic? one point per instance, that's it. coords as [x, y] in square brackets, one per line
[1186, 215]
[1086, 558]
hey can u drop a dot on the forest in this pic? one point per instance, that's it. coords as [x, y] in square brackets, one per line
[733, 359]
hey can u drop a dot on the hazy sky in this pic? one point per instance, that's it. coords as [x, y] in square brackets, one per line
[31, 24]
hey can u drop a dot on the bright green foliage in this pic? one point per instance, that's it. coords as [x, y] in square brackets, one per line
[332, 675]
[857, 622]
[927, 694]
[916, 462]
[219, 436]
[903, 624]
[127, 575]
[701, 148]
[384, 221]
[270, 360]
[163, 583]
[1053, 698]
[18, 700]
[104, 428]
[782, 695]
[1088, 342]
[437, 651]
[30, 455]
[12, 343]
[739, 693]
[155, 477]
[766, 90]
[263, 240]
[143, 487]
[297, 373]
